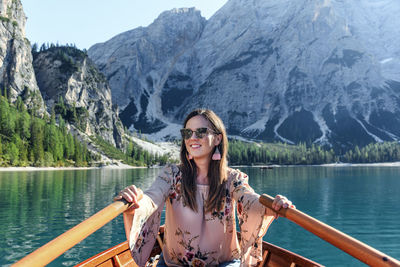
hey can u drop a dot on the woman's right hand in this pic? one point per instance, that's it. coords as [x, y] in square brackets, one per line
[132, 195]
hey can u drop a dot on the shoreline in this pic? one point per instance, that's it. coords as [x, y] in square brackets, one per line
[378, 164]
[124, 166]
[106, 167]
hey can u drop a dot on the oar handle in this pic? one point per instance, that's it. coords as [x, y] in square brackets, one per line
[352, 246]
[67, 240]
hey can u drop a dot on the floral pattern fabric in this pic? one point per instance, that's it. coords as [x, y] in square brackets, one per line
[199, 238]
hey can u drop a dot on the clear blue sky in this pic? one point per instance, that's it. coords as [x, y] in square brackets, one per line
[86, 22]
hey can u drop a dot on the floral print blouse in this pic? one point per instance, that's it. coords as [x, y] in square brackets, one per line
[199, 238]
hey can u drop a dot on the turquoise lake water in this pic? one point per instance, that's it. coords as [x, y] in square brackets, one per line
[363, 202]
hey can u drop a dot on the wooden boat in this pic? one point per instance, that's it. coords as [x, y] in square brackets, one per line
[266, 167]
[120, 256]
[272, 255]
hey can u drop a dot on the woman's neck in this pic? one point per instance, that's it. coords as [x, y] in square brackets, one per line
[202, 171]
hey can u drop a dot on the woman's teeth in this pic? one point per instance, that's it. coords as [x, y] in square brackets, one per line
[195, 146]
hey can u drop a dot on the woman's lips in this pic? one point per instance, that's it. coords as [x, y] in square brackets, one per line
[194, 146]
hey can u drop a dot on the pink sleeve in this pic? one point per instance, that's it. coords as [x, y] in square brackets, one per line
[254, 218]
[145, 222]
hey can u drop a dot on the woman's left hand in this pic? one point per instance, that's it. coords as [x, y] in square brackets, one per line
[282, 202]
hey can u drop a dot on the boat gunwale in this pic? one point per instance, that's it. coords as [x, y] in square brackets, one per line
[357, 249]
[274, 253]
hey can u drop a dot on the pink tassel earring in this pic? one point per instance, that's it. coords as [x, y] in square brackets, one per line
[216, 155]
[190, 157]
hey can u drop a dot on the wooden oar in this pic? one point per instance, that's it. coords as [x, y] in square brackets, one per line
[352, 246]
[67, 240]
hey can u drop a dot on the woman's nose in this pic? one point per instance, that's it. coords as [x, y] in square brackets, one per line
[195, 136]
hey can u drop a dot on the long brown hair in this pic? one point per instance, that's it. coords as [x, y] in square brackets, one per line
[217, 170]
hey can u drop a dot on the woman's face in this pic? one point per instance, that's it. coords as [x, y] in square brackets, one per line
[201, 147]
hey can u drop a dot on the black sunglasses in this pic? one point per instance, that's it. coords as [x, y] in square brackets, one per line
[199, 133]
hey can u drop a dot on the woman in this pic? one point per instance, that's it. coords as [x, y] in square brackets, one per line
[200, 195]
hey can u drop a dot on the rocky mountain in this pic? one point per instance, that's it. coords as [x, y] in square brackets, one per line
[61, 73]
[138, 64]
[64, 79]
[297, 71]
[71, 84]
[16, 71]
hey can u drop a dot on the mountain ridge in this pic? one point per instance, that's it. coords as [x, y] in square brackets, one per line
[66, 85]
[273, 70]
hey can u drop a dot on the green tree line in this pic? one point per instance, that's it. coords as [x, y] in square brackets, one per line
[136, 153]
[26, 140]
[244, 153]
[376, 152]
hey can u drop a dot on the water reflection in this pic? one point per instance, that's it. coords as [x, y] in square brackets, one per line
[36, 207]
[360, 201]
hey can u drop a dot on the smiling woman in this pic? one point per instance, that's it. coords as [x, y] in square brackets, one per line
[201, 195]
[204, 142]
[96, 21]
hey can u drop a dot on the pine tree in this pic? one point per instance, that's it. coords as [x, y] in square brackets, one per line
[53, 142]
[23, 125]
[12, 153]
[37, 138]
[3, 115]
[85, 153]
[42, 47]
[129, 149]
[23, 153]
[34, 49]
[48, 159]
[62, 126]
[19, 104]
[1, 150]
[7, 118]
[69, 148]
[59, 147]
[60, 107]
[5, 93]
[78, 152]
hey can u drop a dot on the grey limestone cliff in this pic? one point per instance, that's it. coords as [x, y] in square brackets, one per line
[67, 75]
[16, 72]
[138, 63]
[299, 71]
